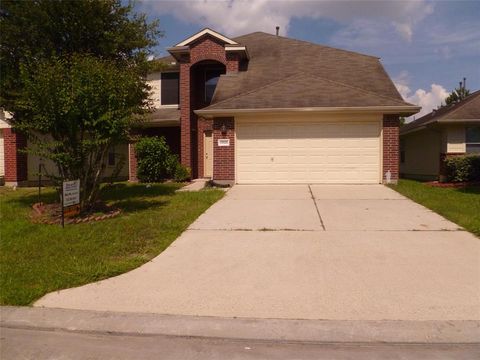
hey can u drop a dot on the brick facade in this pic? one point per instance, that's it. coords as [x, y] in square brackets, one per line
[132, 163]
[15, 160]
[224, 158]
[191, 134]
[391, 151]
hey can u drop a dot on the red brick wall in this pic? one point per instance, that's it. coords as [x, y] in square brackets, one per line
[206, 48]
[391, 146]
[224, 156]
[132, 163]
[185, 112]
[15, 161]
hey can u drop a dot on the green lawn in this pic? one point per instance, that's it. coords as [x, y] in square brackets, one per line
[462, 206]
[36, 259]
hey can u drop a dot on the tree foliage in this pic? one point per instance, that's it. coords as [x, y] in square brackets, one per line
[32, 31]
[457, 95]
[80, 107]
[73, 71]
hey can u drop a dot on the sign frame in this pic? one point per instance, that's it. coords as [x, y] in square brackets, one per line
[70, 199]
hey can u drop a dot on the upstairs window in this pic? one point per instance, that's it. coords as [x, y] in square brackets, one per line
[472, 139]
[211, 80]
[169, 88]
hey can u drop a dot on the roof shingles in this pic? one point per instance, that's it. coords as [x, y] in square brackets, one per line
[277, 61]
[467, 109]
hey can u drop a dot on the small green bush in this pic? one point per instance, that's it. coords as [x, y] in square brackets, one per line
[182, 173]
[463, 168]
[155, 162]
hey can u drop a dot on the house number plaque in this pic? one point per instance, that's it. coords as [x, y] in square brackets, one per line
[223, 142]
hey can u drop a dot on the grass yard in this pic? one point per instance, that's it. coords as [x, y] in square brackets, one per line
[462, 206]
[36, 259]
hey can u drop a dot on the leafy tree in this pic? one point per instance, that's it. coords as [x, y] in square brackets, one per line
[72, 71]
[458, 94]
[75, 110]
[32, 31]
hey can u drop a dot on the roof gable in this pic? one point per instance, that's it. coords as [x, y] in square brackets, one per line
[273, 58]
[205, 32]
[303, 90]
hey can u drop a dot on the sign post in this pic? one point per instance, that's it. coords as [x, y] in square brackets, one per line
[70, 199]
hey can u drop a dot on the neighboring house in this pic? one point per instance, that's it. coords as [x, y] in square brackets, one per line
[19, 169]
[261, 108]
[449, 131]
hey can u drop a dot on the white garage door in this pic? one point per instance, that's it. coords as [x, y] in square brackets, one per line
[2, 155]
[308, 151]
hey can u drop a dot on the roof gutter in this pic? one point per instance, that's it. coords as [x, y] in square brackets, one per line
[401, 110]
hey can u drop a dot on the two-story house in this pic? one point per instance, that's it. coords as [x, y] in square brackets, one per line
[262, 108]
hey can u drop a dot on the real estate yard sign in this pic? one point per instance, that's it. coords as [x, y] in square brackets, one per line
[70, 198]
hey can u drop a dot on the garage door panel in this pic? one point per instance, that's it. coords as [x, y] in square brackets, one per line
[308, 152]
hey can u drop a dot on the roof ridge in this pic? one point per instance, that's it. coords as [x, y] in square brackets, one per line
[310, 43]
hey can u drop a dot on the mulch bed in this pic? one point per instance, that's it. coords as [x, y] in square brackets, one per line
[452, 185]
[51, 214]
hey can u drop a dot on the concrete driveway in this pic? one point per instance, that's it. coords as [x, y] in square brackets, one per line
[304, 252]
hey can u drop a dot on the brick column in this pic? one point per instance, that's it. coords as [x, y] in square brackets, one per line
[185, 112]
[224, 156]
[391, 151]
[16, 167]
[132, 163]
[232, 62]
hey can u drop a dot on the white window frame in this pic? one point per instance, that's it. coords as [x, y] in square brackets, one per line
[470, 143]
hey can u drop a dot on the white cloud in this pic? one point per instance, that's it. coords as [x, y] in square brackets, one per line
[427, 99]
[236, 17]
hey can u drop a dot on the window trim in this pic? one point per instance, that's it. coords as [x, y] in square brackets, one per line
[171, 106]
[467, 143]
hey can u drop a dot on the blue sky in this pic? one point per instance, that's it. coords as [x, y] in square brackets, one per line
[427, 47]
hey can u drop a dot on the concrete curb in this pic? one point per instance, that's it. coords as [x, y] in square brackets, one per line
[282, 330]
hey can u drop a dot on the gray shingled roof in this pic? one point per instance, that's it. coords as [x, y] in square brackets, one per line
[467, 109]
[285, 72]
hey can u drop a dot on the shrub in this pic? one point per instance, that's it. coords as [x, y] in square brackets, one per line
[182, 173]
[155, 162]
[463, 168]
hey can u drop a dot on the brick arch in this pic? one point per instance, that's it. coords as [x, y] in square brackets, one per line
[207, 49]
[208, 57]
